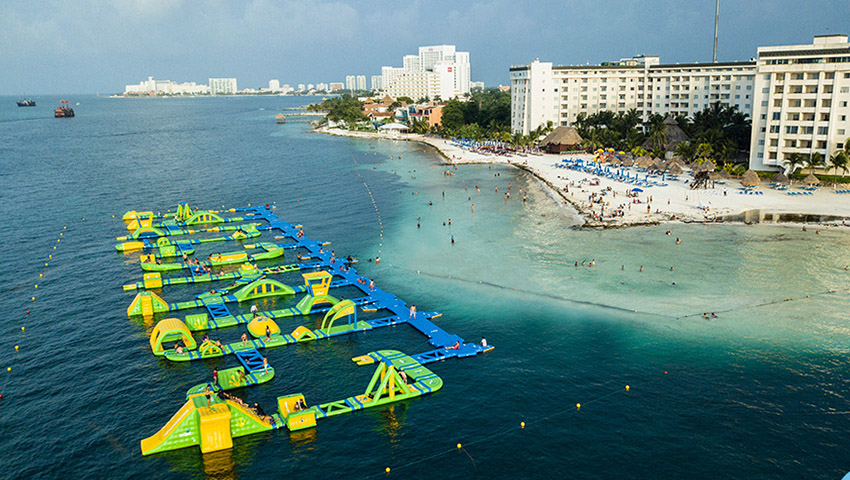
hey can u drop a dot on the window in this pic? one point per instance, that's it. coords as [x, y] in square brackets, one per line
[791, 130]
[823, 130]
[776, 115]
[774, 129]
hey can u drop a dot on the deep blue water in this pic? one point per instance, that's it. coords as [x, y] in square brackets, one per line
[759, 392]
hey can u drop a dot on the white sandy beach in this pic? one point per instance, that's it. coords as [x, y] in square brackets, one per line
[674, 202]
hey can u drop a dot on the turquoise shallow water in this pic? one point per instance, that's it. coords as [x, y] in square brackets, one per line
[759, 392]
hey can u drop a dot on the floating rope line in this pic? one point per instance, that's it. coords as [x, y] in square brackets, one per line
[511, 430]
[374, 204]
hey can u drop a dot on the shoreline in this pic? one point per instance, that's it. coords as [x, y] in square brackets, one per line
[675, 203]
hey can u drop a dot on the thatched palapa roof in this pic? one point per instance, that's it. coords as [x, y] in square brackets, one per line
[627, 161]
[567, 136]
[708, 166]
[750, 179]
[811, 180]
[674, 169]
[725, 174]
[780, 178]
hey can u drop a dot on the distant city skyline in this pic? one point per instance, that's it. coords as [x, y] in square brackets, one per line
[91, 46]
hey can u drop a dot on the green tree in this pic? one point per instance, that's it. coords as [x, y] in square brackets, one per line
[452, 117]
[815, 160]
[837, 161]
[793, 161]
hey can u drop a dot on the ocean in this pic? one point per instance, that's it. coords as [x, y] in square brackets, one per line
[757, 392]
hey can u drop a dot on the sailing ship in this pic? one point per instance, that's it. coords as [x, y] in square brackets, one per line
[63, 110]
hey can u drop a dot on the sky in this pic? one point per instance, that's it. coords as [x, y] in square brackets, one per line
[89, 46]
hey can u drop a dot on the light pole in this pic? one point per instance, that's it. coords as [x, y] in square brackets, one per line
[716, 21]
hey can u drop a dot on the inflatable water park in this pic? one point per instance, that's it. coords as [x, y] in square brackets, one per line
[313, 310]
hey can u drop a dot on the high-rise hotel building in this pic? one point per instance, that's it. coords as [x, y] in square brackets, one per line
[796, 95]
[541, 92]
[437, 71]
[802, 95]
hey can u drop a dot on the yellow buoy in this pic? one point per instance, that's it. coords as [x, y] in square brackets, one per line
[521, 424]
[33, 299]
[40, 275]
[61, 234]
[388, 468]
[45, 264]
[54, 248]
[459, 446]
[578, 406]
[50, 256]
[627, 388]
[8, 369]
[64, 228]
[36, 286]
[58, 240]
[16, 348]
[23, 329]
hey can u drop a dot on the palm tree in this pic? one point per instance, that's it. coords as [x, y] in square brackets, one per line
[838, 160]
[793, 161]
[658, 135]
[816, 160]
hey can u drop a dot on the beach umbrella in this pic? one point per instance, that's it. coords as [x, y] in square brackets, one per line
[658, 164]
[725, 174]
[675, 169]
[637, 190]
[750, 179]
[714, 176]
[811, 180]
[628, 161]
[615, 161]
[780, 178]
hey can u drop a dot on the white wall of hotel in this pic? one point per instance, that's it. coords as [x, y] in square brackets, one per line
[796, 95]
[541, 92]
[802, 97]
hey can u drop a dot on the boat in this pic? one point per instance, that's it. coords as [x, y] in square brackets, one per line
[63, 110]
[280, 118]
[26, 103]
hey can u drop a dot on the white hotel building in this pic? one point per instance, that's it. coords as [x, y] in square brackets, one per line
[222, 86]
[802, 95]
[437, 71]
[797, 96]
[541, 92]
